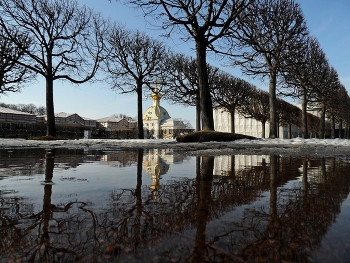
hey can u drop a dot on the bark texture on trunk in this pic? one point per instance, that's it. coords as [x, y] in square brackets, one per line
[304, 114]
[139, 111]
[50, 112]
[272, 100]
[233, 121]
[323, 122]
[198, 114]
[204, 92]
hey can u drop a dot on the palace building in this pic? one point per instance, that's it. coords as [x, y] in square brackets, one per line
[157, 122]
[247, 126]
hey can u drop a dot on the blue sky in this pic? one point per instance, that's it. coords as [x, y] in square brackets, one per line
[327, 20]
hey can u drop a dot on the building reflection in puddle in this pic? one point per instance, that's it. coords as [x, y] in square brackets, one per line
[157, 163]
[232, 209]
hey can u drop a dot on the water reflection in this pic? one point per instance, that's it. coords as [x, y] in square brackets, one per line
[145, 206]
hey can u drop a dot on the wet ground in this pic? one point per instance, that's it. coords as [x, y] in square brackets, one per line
[163, 205]
[285, 147]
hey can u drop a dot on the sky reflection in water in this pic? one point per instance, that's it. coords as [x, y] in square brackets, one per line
[164, 206]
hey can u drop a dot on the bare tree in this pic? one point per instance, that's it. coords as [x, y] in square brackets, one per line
[135, 60]
[288, 115]
[204, 22]
[329, 85]
[313, 125]
[67, 42]
[183, 84]
[269, 32]
[123, 116]
[40, 111]
[339, 101]
[12, 74]
[30, 108]
[257, 107]
[303, 75]
[231, 94]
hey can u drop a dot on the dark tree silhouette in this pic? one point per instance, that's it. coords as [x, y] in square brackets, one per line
[329, 85]
[135, 60]
[183, 83]
[269, 33]
[183, 88]
[12, 74]
[288, 115]
[30, 108]
[231, 94]
[257, 107]
[67, 42]
[313, 125]
[204, 22]
[303, 76]
[339, 101]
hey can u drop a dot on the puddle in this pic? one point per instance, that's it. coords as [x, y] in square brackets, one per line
[163, 206]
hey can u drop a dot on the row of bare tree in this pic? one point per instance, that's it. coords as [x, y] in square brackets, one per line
[30, 108]
[265, 38]
[62, 40]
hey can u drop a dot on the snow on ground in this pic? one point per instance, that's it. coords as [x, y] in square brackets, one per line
[296, 146]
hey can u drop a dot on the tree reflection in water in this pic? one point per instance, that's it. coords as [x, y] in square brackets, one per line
[276, 211]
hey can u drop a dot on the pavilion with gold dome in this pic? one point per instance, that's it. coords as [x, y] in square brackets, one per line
[157, 122]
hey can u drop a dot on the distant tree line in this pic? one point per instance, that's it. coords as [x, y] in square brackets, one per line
[123, 116]
[29, 108]
[267, 39]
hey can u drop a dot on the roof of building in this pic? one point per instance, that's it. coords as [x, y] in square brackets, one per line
[172, 122]
[11, 111]
[66, 115]
[109, 119]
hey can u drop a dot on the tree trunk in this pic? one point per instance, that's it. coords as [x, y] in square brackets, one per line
[138, 197]
[233, 121]
[304, 114]
[50, 112]
[273, 185]
[306, 186]
[139, 110]
[323, 121]
[340, 129]
[289, 131]
[47, 206]
[333, 128]
[263, 129]
[202, 212]
[272, 100]
[345, 131]
[203, 85]
[198, 113]
[273, 228]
